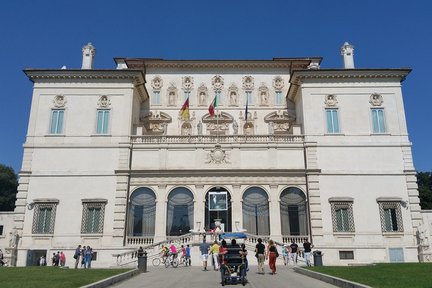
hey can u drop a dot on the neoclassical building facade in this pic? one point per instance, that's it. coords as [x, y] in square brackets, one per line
[280, 148]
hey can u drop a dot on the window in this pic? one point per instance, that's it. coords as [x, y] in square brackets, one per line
[186, 95]
[378, 121]
[218, 98]
[44, 216]
[332, 121]
[1, 230]
[57, 118]
[102, 121]
[156, 100]
[391, 216]
[342, 216]
[278, 99]
[346, 255]
[93, 216]
[249, 97]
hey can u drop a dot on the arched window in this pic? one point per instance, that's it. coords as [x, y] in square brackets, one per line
[256, 218]
[293, 212]
[142, 211]
[180, 212]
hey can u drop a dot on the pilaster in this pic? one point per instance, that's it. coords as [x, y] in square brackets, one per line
[160, 219]
[275, 218]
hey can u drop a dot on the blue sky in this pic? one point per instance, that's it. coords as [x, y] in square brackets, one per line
[50, 34]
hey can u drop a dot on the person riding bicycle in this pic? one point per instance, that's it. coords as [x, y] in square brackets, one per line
[173, 251]
[164, 252]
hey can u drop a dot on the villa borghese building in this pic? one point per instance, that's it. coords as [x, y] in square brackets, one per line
[280, 148]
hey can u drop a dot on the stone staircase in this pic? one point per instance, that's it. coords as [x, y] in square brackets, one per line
[130, 258]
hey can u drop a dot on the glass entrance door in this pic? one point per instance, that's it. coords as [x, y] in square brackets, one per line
[218, 207]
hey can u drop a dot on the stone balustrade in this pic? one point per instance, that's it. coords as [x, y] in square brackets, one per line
[208, 139]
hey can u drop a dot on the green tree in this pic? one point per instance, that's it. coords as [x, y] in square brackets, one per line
[424, 182]
[8, 188]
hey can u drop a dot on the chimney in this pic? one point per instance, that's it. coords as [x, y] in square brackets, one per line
[89, 52]
[347, 51]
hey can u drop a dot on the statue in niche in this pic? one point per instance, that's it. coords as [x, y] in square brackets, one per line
[171, 98]
[202, 98]
[233, 98]
[248, 129]
[264, 98]
[200, 127]
[235, 127]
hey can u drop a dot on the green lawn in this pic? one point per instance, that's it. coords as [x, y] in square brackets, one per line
[52, 276]
[412, 275]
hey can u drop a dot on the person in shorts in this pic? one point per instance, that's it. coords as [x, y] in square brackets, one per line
[204, 249]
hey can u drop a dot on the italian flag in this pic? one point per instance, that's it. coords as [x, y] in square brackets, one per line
[212, 107]
[184, 111]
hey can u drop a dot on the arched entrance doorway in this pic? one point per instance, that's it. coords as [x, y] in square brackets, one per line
[293, 212]
[142, 211]
[179, 212]
[256, 214]
[218, 206]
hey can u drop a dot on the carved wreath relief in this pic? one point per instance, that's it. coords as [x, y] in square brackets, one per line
[376, 99]
[59, 101]
[157, 83]
[248, 83]
[104, 102]
[278, 83]
[330, 100]
[217, 83]
[218, 156]
[187, 83]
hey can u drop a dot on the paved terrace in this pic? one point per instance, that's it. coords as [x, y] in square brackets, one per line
[194, 277]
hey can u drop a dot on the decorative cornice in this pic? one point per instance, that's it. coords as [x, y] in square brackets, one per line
[298, 76]
[41, 74]
[284, 63]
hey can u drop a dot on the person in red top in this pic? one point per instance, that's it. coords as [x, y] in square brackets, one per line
[223, 249]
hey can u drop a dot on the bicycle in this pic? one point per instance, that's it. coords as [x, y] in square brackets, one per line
[157, 261]
[172, 260]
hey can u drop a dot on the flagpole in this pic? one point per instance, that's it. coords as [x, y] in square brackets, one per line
[217, 121]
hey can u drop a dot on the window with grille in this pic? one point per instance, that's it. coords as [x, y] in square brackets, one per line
[44, 218]
[93, 217]
[346, 255]
[391, 216]
[57, 118]
[342, 216]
